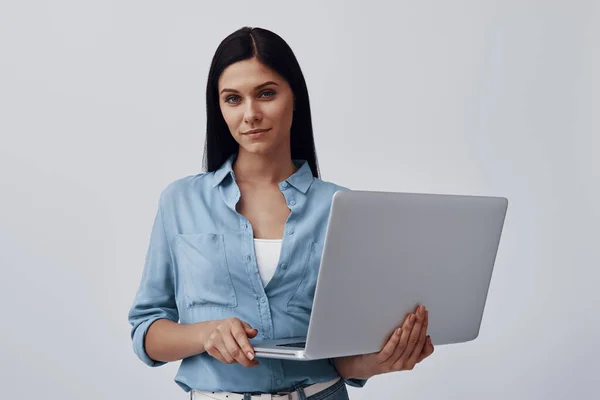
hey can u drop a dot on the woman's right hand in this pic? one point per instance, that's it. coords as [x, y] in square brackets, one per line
[228, 342]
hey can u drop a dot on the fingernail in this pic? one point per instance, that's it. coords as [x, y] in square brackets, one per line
[250, 356]
[398, 331]
[412, 318]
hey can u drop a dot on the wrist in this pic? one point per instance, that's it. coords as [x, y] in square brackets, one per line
[350, 367]
[202, 331]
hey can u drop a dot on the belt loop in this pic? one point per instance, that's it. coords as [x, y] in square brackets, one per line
[247, 396]
[301, 394]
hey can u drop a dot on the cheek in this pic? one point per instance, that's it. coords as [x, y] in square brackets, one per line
[283, 114]
[231, 117]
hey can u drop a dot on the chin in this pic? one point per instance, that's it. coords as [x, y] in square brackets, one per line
[256, 148]
[261, 148]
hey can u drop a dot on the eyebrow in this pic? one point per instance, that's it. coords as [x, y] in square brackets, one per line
[256, 88]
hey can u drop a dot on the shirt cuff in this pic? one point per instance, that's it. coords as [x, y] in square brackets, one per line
[355, 382]
[352, 381]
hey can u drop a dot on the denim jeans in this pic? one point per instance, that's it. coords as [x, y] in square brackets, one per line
[335, 392]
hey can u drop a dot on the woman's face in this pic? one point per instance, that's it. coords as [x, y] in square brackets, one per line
[254, 97]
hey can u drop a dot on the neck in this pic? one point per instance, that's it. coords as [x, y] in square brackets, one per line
[263, 168]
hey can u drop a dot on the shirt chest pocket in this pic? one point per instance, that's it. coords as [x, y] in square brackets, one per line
[302, 297]
[202, 263]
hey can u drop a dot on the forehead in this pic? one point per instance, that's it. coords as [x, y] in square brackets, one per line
[246, 74]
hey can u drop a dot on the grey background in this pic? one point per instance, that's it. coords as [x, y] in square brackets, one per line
[102, 105]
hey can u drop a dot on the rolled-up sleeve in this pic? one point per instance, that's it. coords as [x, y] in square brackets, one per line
[155, 297]
[359, 383]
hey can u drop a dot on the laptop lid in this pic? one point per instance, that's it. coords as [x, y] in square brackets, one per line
[386, 252]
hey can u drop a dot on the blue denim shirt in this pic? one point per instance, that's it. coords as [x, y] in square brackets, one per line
[201, 266]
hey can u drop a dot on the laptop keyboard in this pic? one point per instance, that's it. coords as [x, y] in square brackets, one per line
[297, 344]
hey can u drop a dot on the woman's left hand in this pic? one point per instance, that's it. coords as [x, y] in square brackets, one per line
[407, 346]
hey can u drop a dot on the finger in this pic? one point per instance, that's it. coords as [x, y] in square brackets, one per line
[412, 360]
[403, 342]
[222, 348]
[413, 340]
[219, 345]
[388, 349]
[252, 332]
[214, 352]
[415, 333]
[427, 350]
[239, 333]
[235, 350]
[247, 326]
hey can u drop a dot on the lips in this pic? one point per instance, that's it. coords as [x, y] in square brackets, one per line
[250, 132]
[256, 131]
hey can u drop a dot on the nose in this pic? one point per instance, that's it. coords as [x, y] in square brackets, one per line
[252, 113]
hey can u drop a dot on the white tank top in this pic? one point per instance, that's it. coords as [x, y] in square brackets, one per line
[267, 257]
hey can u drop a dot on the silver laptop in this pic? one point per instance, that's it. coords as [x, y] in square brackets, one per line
[384, 253]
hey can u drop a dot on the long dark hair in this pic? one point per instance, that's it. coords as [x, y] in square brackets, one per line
[272, 51]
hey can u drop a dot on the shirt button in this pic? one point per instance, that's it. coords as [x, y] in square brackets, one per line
[292, 203]
[284, 185]
[290, 231]
[248, 258]
[279, 381]
[284, 265]
[263, 300]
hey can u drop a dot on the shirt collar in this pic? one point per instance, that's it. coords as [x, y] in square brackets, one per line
[224, 170]
[301, 179]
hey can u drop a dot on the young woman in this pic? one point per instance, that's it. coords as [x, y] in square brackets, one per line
[234, 251]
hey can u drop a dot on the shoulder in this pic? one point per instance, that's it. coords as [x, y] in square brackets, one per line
[327, 187]
[185, 186]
